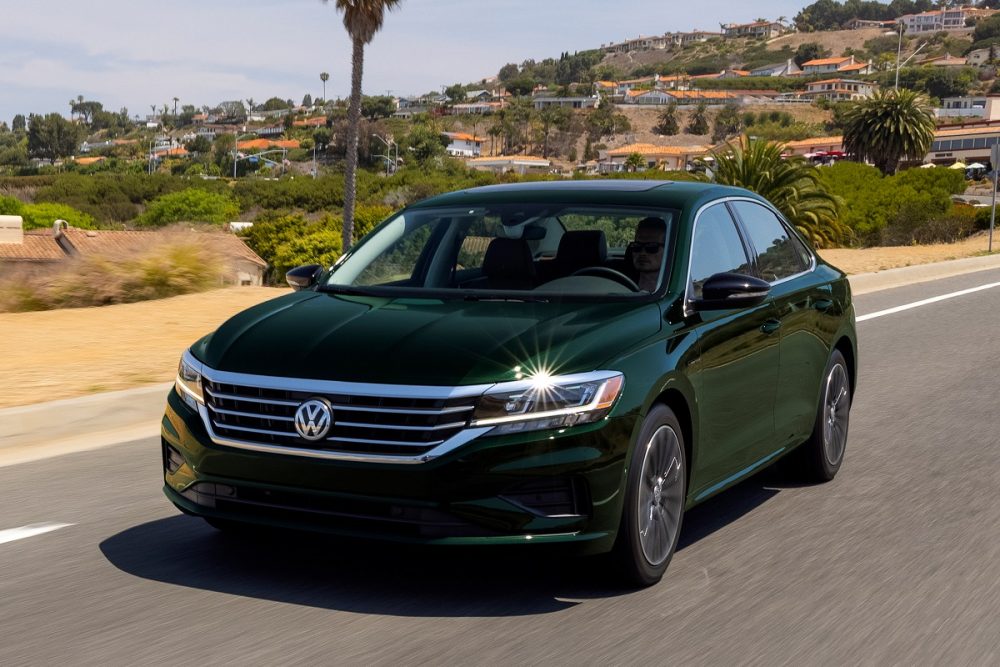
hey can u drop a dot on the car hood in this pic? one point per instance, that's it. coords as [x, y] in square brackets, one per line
[422, 341]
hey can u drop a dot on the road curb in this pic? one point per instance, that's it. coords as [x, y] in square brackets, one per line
[75, 417]
[863, 283]
[77, 423]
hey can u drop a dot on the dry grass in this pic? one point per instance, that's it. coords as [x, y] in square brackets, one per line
[78, 351]
[168, 264]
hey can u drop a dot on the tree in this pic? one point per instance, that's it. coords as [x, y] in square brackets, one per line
[362, 19]
[189, 205]
[250, 104]
[889, 127]
[424, 143]
[322, 138]
[455, 93]
[199, 144]
[273, 104]
[698, 123]
[377, 106]
[667, 123]
[508, 73]
[51, 137]
[791, 185]
[307, 100]
[552, 117]
[324, 77]
[809, 51]
[522, 85]
[176, 100]
[19, 124]
[635, 162]
[728, 123]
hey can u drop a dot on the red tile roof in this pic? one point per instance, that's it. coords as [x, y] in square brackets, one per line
[38, 246]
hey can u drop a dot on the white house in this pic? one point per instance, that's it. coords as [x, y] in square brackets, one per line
[985, 107]
[570, 102]
[840, 89]
[843, 65]
[648, 97]
[943, 19]
[757, 29]
[787, 68]
[463, 144]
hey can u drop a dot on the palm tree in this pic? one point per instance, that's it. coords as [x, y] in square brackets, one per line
[889, 126]
[324, 77]
[790, 184]
[176, 100]
[250, 104]
[362, 19]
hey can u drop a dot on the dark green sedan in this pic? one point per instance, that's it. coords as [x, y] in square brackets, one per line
[560, 362]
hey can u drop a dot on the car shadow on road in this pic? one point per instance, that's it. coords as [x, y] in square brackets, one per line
[392, 579]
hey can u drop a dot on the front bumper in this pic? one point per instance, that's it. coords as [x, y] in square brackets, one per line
[539, 487]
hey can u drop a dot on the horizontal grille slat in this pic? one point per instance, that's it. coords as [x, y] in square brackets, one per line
[389, 426]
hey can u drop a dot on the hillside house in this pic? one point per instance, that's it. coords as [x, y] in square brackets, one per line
[862, 24]
[518, 164]
[842, 65]
[463, 144]
[837, 90]
[981, 57]
[756, 30]
[670, 158]
[984, 107]
[648, 97]
[578, 102]
[478, 96]
[787, 68]
[803, 147]
[944, 61]
[943, 19]
[482, 108]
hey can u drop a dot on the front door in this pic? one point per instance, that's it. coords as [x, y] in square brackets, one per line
[738, 359]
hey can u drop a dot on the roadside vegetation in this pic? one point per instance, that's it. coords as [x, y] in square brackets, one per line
[169, 264]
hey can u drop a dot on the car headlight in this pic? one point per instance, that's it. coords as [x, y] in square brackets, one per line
[188, 382]
[543, 402]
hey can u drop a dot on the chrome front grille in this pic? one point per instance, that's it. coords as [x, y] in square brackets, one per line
[362, 424]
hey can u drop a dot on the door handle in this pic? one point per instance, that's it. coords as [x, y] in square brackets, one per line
[770, 326]
[823, 304]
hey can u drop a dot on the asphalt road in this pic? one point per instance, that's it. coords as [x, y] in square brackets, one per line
[895, 562]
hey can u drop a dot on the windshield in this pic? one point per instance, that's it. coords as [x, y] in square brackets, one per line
[513, 251]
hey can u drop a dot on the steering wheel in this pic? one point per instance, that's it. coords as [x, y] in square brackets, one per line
[610, 274]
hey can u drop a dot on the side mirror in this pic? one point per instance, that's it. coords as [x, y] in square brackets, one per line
[725, 291]
[304, 277]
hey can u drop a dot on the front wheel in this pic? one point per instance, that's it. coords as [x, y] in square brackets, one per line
[655, 495]
[820, 457]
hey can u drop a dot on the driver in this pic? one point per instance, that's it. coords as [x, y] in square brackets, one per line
[647, 251]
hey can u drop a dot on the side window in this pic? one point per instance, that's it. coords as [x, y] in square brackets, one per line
[717, 247]
[779, 255]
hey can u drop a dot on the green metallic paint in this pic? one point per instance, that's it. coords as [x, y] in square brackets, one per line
[751, 396]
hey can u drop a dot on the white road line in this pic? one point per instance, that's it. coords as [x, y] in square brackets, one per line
[30, 530]
[924, 302]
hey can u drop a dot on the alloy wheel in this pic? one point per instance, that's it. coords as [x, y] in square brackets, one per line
[836, 408]
[660, 496]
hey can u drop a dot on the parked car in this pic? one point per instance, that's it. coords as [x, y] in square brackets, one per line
[556, 362]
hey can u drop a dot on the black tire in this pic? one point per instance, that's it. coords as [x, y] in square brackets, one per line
[819, 458]
[662, 495]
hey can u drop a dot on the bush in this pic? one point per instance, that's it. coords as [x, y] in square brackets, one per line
[287, 241]
[189, 206]
[42, 215]
[171, 264]
[904, 202]
[10, 205]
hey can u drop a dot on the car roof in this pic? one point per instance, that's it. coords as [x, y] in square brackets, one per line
[667, 194]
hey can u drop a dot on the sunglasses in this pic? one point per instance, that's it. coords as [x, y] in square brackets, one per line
[648, 247]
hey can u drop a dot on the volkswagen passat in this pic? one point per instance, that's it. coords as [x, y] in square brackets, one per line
[572, 362]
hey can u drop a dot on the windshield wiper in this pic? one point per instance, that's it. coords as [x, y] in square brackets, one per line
[497, 297]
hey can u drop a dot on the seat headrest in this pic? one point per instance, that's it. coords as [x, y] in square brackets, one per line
[509, 258]
[579, 249]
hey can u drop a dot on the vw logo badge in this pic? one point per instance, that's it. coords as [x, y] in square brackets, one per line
[313, 419]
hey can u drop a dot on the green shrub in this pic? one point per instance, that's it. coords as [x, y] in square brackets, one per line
[43, 214]
[189, 206]
[290, 240]
[904, 202]
[10, 205]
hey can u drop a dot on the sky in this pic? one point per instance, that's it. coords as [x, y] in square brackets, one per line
[135, 54]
